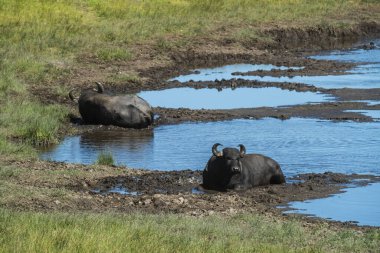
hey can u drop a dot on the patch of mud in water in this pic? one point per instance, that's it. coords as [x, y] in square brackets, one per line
[374, 114]
[225, 72]
[360, 205]
[229, 98]
[365, 76]
[197, 191]
[368, 102]
[299, 145]
[117, 189]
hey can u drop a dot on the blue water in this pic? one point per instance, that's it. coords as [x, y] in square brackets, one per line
[353, 55]
[359, 204]
[374, 114]
[225, 72]
[369, 102]
[366, 75]
[229, 98]
[299, 145]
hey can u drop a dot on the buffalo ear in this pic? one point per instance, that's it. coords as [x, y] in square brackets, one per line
[242, 150]
[215, 150]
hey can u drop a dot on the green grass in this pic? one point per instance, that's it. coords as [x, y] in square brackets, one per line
[31, 121]
[57, 232]
[105, 158]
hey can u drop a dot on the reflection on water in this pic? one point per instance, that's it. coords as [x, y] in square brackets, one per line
[359, 204]
[364, 76]
[86, 147]
[228, 98]
[225, 72]
[299, 145]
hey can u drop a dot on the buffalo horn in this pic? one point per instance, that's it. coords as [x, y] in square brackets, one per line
[100, 87]
[71, 95]
[242, 150]
[215, 149]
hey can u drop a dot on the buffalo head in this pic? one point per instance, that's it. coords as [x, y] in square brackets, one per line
[229, 158]
[223, 166]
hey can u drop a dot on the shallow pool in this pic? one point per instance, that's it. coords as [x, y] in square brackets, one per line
[365, 75]
[299, 145]
[229, 98]
[360, 204]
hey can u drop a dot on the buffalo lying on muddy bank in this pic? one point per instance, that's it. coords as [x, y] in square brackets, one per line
[129, 111]
[233, 169]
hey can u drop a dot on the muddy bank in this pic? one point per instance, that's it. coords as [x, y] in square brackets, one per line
[72, 188]
[336, 111]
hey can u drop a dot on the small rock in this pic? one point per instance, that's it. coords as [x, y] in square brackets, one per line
[147, 202]
[181, 200]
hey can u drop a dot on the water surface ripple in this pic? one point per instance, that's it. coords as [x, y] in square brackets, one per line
[299, 145]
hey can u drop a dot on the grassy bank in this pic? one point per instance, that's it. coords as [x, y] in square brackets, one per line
[36, 232]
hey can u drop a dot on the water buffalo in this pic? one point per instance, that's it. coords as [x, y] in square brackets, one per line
[369, 46]
[233, 169]
[96, 107]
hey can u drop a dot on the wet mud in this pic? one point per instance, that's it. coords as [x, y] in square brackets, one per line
[120, 189]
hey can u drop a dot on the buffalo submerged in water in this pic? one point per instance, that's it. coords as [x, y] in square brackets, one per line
[97, 107]
[234, 169]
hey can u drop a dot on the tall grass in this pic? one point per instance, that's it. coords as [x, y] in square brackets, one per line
[34, 232]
